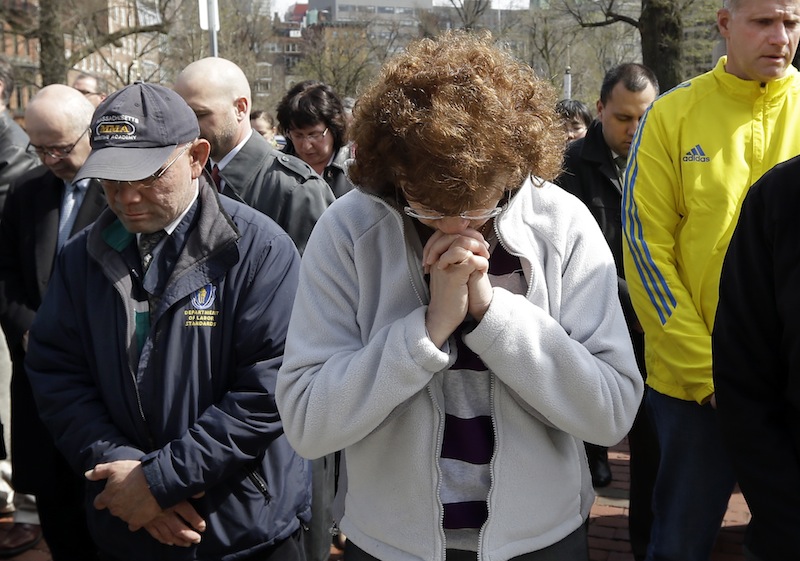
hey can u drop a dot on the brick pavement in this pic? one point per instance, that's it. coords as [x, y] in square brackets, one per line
[608, 524]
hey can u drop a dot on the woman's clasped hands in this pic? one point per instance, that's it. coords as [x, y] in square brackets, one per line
[458, 264]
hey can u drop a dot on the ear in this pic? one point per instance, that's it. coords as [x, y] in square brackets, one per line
[242, 105]
[199, 153]
[599, 107]
[723, 22]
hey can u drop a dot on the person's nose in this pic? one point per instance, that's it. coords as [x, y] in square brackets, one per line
[50, 160]
[453, 224]
[305, 142]
[779, 36]
[127, 194]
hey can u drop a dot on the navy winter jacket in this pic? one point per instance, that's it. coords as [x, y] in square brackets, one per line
[196, 403]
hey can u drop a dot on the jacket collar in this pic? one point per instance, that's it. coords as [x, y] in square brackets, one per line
[594, 147]
[214, 232]
[750, 89]
[596, 151]
[242, 170]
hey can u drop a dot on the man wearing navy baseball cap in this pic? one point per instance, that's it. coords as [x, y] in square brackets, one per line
[156, 369]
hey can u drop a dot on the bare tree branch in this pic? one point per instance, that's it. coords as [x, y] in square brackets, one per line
[345, 56]
[101, 41]
[470, 11]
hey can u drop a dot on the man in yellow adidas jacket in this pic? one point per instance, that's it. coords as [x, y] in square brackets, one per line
[697, 151]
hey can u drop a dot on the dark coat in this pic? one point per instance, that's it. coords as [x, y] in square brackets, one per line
[15, 156]
[196, 403]
[756, 360]
[281, 186]
[590, 174]
[28, 237]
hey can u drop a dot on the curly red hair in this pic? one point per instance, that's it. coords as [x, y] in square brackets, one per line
[454, 122]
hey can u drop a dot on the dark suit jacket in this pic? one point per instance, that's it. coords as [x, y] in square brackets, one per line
[283, 187]
[28, 237]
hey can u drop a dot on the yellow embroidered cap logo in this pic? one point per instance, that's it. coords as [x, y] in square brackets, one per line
[118, 127]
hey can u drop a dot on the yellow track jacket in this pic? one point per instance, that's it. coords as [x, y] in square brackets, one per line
[697, 151]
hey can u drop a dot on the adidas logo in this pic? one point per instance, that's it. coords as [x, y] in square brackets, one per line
[696, 154]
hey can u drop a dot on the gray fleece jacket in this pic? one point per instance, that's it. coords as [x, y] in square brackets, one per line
[360, 374]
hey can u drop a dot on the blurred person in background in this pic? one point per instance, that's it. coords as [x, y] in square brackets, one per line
[576, 116]
[313, 120]
[242, 164]
[264, 124]
[91, 87]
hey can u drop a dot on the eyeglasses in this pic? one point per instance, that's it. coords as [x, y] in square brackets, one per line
[56, 152]
[313, 138]
[475, 214]
[87, 93]
[148, 181]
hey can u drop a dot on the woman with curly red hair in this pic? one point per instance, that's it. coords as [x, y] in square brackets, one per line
[457, 330]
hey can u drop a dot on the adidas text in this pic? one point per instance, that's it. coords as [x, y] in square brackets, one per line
[695, 158]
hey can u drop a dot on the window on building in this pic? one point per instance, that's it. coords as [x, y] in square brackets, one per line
[148, 13]
[263, 71]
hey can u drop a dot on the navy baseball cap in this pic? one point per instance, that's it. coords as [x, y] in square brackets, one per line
[135, 130]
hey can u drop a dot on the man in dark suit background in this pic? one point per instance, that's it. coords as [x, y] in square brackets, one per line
[248, 169]
[594, 167]
[43, 209]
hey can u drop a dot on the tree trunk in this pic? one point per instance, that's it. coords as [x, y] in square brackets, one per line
[661, 29]
[51, 40]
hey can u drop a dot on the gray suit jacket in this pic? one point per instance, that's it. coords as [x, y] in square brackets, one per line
[281, 186]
